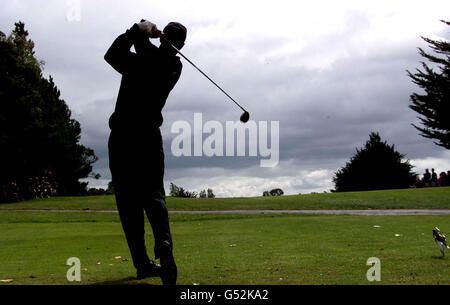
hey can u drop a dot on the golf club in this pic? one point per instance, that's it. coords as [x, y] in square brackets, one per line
[245, 116]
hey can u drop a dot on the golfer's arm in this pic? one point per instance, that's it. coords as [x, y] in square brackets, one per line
[119, 55]
[142, 44]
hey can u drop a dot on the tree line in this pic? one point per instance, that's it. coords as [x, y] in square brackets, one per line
[178, 191]
[37, 132]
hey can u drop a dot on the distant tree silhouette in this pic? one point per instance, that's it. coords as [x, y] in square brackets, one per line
[274, 192]
[206, 193]
[376, 166]
[178, 191]
[110, 188]
[175, 190]
[434, 105]
[210, 193]
[37, 132]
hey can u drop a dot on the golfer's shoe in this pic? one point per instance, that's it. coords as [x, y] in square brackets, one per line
[440, 240]
[168, 271]
[150, 270]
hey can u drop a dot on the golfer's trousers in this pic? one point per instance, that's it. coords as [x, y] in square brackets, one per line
[137, 167]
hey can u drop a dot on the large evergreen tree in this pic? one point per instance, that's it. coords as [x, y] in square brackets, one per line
[37, 132]
[376, 166]
[434, 105]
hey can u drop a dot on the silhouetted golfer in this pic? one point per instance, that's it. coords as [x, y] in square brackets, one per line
[136, 156]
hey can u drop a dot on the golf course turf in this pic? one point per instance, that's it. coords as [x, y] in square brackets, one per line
[426, 198]
[232, 248]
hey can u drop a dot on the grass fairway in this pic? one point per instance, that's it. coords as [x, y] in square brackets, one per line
[426, 198]
[228, 249]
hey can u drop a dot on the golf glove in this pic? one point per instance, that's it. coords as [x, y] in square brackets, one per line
[149, 28]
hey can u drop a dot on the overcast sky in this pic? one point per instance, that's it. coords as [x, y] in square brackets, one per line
[329, 71]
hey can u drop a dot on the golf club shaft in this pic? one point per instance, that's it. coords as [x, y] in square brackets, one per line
[204, 74]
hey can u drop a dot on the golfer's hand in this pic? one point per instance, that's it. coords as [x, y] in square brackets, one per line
[149, 28]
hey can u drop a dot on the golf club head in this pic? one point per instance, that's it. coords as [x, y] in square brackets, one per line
[245, 117]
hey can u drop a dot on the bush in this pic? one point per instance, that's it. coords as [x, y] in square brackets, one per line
[376, 166]
[210, 193]
[274, 192]
[178, 191]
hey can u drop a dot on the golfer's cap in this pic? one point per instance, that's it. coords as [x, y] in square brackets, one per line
[175, 32]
